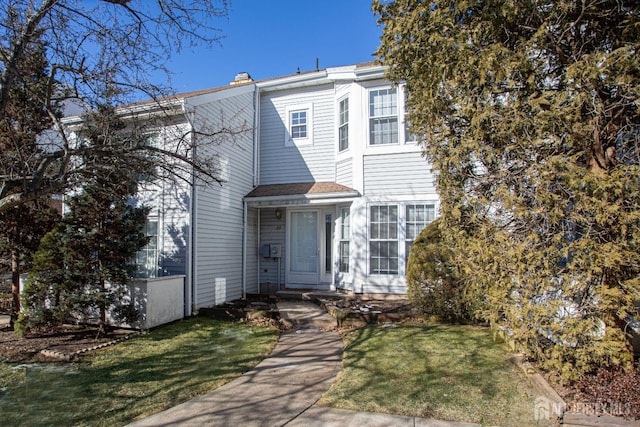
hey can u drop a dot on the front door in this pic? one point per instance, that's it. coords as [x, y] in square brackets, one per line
[304, 249]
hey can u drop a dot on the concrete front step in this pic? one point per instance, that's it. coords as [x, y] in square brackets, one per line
[305, 315]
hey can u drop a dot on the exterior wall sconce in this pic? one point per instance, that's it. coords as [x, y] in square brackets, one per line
[278, 213]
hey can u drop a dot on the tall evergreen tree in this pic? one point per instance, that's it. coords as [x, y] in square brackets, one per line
[530, 113]
[94, 246]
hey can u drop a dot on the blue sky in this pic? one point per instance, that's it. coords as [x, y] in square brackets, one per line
[272, 38]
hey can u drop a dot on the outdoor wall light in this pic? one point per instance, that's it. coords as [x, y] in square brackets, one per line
[278, 213]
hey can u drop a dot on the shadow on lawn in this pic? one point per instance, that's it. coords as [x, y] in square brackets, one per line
[441, 371]
[138, 377]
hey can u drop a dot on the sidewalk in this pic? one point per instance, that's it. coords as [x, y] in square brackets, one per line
[284, 387]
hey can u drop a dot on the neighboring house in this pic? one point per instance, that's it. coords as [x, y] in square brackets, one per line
[327, 191]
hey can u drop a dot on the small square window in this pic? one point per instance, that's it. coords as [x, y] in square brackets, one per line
[298, 126]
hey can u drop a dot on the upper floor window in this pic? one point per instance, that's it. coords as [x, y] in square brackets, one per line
[343, 124]
[383, 116]
[408, 136]
[299, 125]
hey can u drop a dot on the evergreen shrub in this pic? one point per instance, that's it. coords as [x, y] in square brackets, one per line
[433, 286]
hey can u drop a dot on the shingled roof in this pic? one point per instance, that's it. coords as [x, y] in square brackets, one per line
[300, 188]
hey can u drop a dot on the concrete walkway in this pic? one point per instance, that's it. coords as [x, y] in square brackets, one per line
[284, 387]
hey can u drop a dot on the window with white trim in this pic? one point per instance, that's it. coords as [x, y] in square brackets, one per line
[343, 124]
[298, 124]
[146, 259]
[383, 239]
[383, 116]
[408, 136]
[417, 217]
[298, 120]
[345, 232]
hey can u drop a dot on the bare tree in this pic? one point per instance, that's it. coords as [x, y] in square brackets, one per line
[101, 55]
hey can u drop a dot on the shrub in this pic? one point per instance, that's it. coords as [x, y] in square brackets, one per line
[433, 286]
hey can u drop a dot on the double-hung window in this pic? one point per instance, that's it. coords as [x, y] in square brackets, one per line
[383, 239]
[343, 124]
[383, 116]
[345, 230]
[299, 126]
[417, 217]
[408, 136]
[146, 259]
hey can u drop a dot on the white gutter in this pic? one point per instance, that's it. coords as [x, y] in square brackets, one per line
[369, 73]
[298, 80]
[143, 110]
[319, 197]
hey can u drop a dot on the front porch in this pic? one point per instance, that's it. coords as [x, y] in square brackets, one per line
[296, 228]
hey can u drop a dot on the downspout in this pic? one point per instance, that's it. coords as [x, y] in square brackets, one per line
[256, 174]
[256, 136]
[256, 154]
[190, 298]
[244, 249]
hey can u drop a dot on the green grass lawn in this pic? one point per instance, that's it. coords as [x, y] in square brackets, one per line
[135, 378]
[454, 373]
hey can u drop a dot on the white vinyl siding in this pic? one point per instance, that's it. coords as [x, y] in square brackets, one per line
[252, 249]
[344, 172]
[286, 163]
[272, 231]
[219, 209]
[397, 173]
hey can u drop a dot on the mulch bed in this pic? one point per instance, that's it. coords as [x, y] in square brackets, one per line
[61, 343]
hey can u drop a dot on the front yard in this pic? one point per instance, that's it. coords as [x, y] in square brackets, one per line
[446, 372]
[135, 378]
[455, 373]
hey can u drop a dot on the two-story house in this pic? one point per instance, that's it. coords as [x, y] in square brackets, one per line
[341, 186]
[326, 191]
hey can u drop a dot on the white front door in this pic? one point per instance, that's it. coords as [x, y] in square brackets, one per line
[304, 249]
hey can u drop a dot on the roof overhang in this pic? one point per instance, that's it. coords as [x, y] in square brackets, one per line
[318, 193]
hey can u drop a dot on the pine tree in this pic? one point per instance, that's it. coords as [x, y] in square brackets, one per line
[530, 113]
[85, 272]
